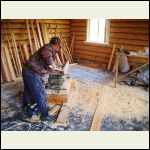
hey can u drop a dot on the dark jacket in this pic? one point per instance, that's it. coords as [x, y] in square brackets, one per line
[39, 62]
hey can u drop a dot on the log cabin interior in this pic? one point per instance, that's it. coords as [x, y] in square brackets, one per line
[107, 80]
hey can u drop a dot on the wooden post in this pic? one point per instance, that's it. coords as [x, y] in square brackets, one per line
[34, 36]
[5, 67]
[116, 74]
[25, 50]
[23, 60]
[16, 53]
[110, 60]
[9, 64]
[39, 32]
[29, 34]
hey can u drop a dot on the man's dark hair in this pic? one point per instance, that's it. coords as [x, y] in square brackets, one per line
[55, 40]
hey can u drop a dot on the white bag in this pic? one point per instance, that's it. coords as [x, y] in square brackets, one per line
[123, 64]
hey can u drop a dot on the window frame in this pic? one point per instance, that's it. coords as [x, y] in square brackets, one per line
[97, 43]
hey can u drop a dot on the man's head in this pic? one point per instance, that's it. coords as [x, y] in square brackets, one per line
[56, 43]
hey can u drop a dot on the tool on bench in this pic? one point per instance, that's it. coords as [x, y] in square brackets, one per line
[56, 79]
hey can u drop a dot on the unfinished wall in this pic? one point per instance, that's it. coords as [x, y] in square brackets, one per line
[131, 34]
[16, 46]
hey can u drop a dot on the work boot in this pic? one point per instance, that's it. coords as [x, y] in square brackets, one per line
[46, 118]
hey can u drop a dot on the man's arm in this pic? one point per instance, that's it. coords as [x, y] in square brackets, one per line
[46, 53]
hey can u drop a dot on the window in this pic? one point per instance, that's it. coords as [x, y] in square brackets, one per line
[98, 31]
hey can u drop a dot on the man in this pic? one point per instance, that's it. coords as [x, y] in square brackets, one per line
[35, 68]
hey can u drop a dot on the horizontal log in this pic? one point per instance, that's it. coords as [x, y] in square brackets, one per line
[57, 21]
[92, 58]
[78, 33]
[129, 20]
[78, 20]
[138, 60]
[78, 24]
[130, 47]
[13, 20]
[64, 35]
[130, 36]
[129, 30]
[15, 31]
[58, 30]
[93, 48]
[57, 26]
[82, 37]
[16, 25]
[89, 53]
[130, 24]
[18, 37]
[131, 42]
[78, 29]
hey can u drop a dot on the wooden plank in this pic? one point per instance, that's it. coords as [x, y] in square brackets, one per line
[35, 40]
[25, 51]
[54, 109]
[13, 76]
[16, 54]
[113, 50]
[39, 33]
[116, 73]
[96, 122]
[29, 36]
[4, 66]
[23, 60]
[63, 116]
[56, 97]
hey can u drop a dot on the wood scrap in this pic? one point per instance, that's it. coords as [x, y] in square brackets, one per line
[54, 110]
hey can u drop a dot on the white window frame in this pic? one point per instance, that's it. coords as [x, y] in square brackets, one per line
[97, 42]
